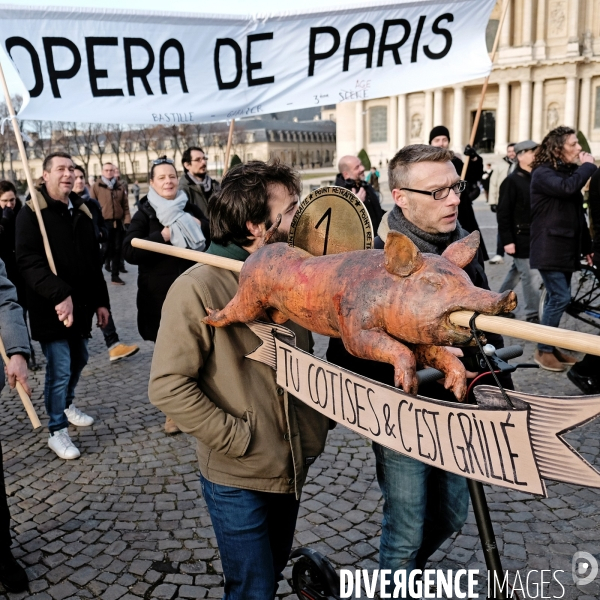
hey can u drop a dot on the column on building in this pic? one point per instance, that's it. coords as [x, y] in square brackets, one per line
[502, 118]
[570, 102]
[573, 28]
[525, 111]
[537, 120]
[393, 126]
[428, 118]
[506, 33]
[360, 126]
[402, 120]
[527, 23]
[585, 105]
[458, 123]
[540, 31]
[438, 107]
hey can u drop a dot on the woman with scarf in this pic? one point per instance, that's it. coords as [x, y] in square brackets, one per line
[165, 216]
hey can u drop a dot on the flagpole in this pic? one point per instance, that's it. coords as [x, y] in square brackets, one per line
[484, 88]
[228, 149]
[30, 185]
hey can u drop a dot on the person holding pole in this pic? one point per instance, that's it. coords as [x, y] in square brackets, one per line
[62, 305]
[16, 342]
[255, 442]
[560, 237]
[423, 506]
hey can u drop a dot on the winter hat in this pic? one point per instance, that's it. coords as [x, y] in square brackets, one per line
[439, 130]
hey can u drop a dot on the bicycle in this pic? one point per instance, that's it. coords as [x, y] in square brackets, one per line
[583, 311]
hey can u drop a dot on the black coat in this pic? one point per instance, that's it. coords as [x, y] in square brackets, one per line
[466, 214]
[156, 272]
[8, 253]
[79, 275]
[384, 372]
[594, 204]
[559, 232]
[372, 203]
[514, 214]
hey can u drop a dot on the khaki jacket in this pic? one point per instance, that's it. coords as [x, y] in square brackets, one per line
[251, 434]
[196, 194]
[114, 203]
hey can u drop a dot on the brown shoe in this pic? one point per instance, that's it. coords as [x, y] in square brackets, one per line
[547, 361]
[566, 359]
[171, 427]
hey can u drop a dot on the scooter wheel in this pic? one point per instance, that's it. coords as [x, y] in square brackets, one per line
[308, 581]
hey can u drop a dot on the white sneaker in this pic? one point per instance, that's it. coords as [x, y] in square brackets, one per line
[496, 260]
[61, 443]
[76, 417]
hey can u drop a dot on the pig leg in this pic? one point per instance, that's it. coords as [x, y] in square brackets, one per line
[237, 311]
[374, 344]
[440, 358]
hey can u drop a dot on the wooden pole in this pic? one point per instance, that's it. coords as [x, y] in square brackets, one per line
[22, 393]
[30, 185]
[228, 149]
[484, 88]
[553, 336]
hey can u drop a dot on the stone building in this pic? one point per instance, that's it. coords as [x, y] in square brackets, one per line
[547, 73]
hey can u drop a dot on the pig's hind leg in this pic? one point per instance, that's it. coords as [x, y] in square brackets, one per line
[237, 311]
[374, 344]
[442, 359]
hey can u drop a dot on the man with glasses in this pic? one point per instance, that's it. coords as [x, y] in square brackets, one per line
[423, 506]
[195, 181]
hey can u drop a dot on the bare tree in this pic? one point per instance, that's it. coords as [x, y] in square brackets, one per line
[145, 136]
[100, 146]
[130, 147]
[115, 136]
[176, 135]
[80, 140]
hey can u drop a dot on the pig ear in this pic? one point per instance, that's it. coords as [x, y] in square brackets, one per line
[461, 253]
[402, 257]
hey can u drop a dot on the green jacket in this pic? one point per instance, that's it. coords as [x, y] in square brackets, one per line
[196, 194]
[251, 434]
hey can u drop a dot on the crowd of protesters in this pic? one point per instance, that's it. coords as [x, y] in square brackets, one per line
[535, 192]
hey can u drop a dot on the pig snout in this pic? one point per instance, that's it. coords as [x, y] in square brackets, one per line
[490, 303]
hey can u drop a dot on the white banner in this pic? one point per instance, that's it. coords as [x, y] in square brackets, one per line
[111, 66]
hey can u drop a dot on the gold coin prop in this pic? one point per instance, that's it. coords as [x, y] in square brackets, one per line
[331, 220]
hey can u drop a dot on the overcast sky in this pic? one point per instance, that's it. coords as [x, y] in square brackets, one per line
[222, 7]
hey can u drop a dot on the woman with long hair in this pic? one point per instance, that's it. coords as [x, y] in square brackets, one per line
[560, 237]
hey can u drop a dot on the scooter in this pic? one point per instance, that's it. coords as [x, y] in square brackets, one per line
[313, 575]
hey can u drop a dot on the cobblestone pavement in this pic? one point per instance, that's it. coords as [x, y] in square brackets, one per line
[127, 519]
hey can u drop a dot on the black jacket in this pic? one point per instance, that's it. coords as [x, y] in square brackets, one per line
[8, 254]
[513, 213]
[156, 272]
[559, 232]
[372, 203]
[594, 204]
[75, 252]
[384, 372]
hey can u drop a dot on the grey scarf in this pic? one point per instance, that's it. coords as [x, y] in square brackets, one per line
[185, 231]
[205, 184]
[110, 183]
[433, 243]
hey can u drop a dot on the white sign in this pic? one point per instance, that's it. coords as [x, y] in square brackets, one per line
[513, 447]
[111, 66]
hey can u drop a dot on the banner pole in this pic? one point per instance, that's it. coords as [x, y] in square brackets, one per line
[484, 88]
[228, 149]
[30, 185]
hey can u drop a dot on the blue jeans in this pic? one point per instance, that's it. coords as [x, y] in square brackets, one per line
[558, 288]
[65, 360]
[423, 506]
[520, 271]
[255, 533]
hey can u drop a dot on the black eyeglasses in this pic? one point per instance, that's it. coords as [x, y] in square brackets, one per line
[458, 188]
[163, 160]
